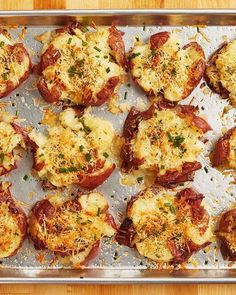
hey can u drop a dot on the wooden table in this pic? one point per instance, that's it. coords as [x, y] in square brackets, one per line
[124, 289]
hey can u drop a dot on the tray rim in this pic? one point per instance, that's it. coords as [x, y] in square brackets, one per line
[199, 276]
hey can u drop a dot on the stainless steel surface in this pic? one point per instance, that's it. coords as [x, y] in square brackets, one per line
[219, 192]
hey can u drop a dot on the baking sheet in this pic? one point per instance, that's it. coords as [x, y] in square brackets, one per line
[219, 190]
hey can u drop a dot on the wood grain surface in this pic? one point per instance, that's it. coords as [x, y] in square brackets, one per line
[111, 289]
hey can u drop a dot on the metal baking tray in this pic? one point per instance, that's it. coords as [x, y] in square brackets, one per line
[117, 264]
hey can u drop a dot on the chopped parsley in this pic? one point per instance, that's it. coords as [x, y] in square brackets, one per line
[108, 70]
[140, 179]
[69, 40]
[99, 211]
[67, 170]
[17, 113]
[72, 71]
[176, 140]
[125, 96]
[26, 177]
[2, 43]
[105, 56]
[88, 157]
[96, 48]
[106, 155]
[206, 170]
[2, 157]
[84, 43]
[41, 155]
[133, 55]
[81, 147]
[63, 170]
[5, 76]
[172, 208]
[61, 156]
[86, 129]
[84, 29]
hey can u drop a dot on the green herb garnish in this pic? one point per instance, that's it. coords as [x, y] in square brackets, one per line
[108, 70]
[81, 147]
[26, 177]
[176, 140]
[2, 157]
[69, 40]
[2, 43]
[99, 211]
[61, 156]
[96, 48]
[88, 157]
[72, 71]
[125, 96]
[84, 43]
[140, 179]
[105, 155]
[133, 55]
[5, 76]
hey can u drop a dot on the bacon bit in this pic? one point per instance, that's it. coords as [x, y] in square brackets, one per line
[23, 33]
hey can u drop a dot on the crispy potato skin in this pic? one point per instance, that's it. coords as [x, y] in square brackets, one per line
[52, 54]
[227, 225]
[218, 88]
[195, 73]
[190, 201]
[16, 212]
[19, 50]
[130, 129]
[222, 149]
[45, 209]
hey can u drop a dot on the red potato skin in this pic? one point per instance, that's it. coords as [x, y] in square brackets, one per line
[21, 54]
[52, 95]
[222, 149]
[159, 39]
[189, 199]
[6, 197]
[130, 129]
[227, 224]
[91, 181]
[116, 43]
[221, 90]
[197, 71]
[44, 208]
[172, 178]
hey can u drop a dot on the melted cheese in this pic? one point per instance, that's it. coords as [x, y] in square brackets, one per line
[166, 142]
[232, 153]
[10, 234]
[10, 69]
[170, 74]
[75, 231]
[226, 67]
[11, 142]
[69, 143]
[158, 219]
[85, 64]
